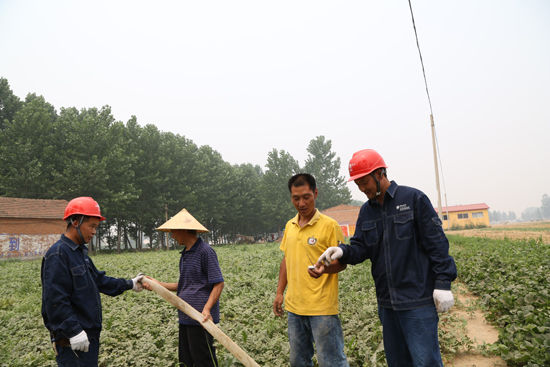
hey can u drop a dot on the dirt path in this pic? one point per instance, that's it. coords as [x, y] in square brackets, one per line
[477, 329]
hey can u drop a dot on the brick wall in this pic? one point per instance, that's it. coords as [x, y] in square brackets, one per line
[28, 238]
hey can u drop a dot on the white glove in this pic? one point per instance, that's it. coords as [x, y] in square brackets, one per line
[443, 299]
[138, 287]
[80, 342]
[330, 254]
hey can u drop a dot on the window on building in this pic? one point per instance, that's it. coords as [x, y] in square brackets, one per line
[477, 215]
[463, 216]
[444, 216]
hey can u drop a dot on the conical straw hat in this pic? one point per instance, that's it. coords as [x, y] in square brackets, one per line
[182, 220]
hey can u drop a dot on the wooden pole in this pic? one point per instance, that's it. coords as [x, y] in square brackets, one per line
[215, 331]
[439, 212]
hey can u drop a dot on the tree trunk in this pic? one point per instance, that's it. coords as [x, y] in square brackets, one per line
[118, 237]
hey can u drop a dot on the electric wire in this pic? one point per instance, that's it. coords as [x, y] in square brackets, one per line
[421, 60]
[429, 101]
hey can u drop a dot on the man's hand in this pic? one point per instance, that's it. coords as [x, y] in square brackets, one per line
[138, 287]
[443, 299]
[206, 315]
[278, 305]
[146, 285]
[330, 254]
[80, 342]
[316, 271]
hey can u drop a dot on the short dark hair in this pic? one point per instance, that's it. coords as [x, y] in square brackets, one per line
[301, 179]
[76, 217]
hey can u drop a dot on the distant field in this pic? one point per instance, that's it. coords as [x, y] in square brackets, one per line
[513, 231]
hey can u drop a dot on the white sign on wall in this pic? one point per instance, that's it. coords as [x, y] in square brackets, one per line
[23, 246]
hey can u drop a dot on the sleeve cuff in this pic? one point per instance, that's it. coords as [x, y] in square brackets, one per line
[73, 332]
[443, 284]
[344, 248]
[130, 284]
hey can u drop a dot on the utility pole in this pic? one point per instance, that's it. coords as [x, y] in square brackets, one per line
[439, 210]
[165, 220]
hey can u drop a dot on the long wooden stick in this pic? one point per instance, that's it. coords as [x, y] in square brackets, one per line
[215, 331]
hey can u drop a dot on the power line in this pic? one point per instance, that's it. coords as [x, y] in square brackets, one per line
[431, 111]
[421, 60]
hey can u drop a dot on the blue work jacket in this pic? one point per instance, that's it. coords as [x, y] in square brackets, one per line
[408, 249]
[70, 290]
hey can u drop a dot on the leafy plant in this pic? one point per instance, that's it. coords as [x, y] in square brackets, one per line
[512, 280]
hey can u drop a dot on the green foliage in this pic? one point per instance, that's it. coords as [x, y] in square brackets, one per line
[140, 175]
[9, 103]
[140, 329]
[323, 164]
[277, 206]
[25, 142]
[511, 277]
[469, 225]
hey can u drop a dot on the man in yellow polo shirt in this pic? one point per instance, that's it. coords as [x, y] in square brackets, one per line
[311, 302]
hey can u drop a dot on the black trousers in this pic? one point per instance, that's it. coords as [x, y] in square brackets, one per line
[196, 347]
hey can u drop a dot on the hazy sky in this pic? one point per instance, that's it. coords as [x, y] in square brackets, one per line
[248, 76]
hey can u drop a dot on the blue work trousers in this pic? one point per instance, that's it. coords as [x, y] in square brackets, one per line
[410, 337]
[325, 332]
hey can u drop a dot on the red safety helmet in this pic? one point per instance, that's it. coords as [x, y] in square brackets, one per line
[84, 205]
[364, 162]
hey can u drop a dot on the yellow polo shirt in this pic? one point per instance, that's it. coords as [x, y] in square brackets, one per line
[302, 247]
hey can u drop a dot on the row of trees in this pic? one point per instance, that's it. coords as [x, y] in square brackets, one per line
[538, 213]
[140, 175]
[529, 214]
[496, 216]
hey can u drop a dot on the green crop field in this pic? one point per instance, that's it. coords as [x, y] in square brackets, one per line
[513, 280]
[140, 329]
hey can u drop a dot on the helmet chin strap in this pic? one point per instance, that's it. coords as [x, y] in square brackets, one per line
[378, 191]
[377, 185]
[81, 237]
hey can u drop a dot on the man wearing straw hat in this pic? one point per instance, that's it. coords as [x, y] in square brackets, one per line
[200, 284]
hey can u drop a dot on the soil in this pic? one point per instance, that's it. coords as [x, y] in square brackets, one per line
[477, 329]
[513, 231]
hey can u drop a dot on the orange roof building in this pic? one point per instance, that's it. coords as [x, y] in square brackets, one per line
[454, 217]
[345, 215]
[465, 216]
[28, 227]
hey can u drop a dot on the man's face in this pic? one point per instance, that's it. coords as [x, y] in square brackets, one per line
[88, 228]
[367, 185]
[303, 199]
[178, 235]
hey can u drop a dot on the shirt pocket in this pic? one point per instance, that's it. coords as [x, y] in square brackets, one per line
[80, 280]
[370, 233]
[404, 225]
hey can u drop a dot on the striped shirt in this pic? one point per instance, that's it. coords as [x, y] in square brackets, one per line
[199, 271]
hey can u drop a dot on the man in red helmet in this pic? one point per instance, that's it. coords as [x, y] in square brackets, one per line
[400, 232]
[71, 305]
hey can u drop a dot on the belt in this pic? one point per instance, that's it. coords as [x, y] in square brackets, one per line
[63, 342]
